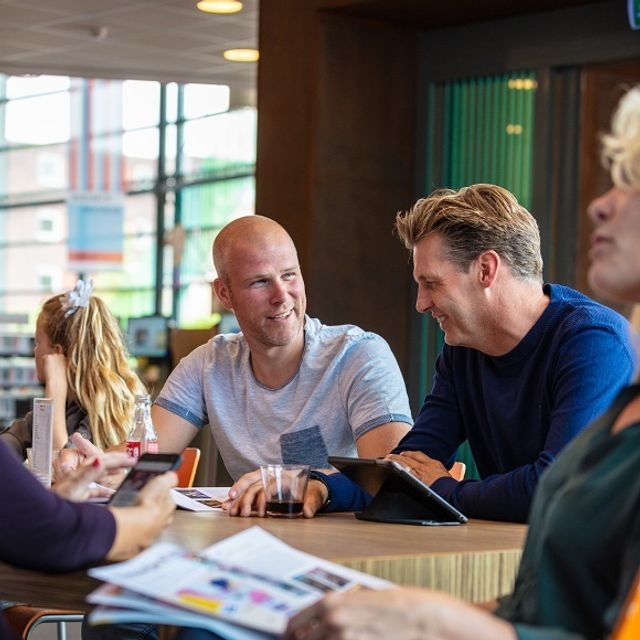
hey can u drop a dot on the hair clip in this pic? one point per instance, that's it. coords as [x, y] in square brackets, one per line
[78, 297]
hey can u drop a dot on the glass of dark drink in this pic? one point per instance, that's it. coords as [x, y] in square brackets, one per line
[284, 487]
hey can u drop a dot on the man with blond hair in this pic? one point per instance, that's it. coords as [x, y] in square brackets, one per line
[525, 366]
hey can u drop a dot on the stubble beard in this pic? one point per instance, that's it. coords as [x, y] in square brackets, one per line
[275, 336]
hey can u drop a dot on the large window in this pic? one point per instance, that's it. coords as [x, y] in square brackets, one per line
[173, 157]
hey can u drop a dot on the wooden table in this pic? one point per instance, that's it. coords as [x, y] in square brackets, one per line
[476, 561]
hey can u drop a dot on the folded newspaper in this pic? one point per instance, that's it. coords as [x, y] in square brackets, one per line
[245, 587]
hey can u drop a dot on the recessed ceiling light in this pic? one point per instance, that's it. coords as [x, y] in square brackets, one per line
[219, 6]
[241, 55]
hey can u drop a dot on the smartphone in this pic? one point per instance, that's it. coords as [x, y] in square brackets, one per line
[149, 466]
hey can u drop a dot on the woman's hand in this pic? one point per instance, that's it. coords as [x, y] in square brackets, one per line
[79, 485]
[72, 458]
[401, 613]
[138, 526]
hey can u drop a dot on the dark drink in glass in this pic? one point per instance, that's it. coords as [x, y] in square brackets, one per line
[284, 508]
[284, 487]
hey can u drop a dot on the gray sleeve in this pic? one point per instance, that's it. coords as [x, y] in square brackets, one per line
[84, 429]
[183, 392]
[372, 386]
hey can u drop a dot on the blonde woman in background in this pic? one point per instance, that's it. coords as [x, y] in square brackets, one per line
[583, 547]
[81, 360]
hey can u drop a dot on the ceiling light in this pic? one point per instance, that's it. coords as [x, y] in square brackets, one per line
[219, 6]
[241, 55]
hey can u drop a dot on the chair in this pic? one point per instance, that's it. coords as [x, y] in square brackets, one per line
[458, 470]
[187, 469]
[628, 627]
[25, 618]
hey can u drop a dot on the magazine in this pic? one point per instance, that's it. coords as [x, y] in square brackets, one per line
[200, 498]
[120, 606]
[250, 582]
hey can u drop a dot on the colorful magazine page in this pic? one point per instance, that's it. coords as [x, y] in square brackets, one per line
[117, 605]
[251, 579]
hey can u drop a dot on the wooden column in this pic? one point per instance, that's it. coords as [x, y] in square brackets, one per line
[336, 157]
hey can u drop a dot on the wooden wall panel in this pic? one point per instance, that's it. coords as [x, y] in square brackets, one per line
[602, 87]
[336, 156]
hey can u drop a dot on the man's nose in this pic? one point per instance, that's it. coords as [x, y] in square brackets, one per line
[423, 301]
[278, 291]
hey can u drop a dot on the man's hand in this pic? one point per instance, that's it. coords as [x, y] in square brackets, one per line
[316, 495]
[423, 467]
[79, 486]
[246, 497]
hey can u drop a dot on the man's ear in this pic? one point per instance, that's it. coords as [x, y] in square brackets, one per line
[222, 292]
[488, 264]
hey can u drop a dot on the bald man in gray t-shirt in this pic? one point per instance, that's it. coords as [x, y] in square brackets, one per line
[347, 385]
[287, 388]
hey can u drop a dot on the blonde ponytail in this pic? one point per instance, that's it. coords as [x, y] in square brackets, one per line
[98, 372]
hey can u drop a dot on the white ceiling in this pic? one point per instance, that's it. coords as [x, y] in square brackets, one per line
[166, 40]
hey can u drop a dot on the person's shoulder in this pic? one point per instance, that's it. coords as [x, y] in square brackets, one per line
[577, 311]
[219, 347]
[340, 337]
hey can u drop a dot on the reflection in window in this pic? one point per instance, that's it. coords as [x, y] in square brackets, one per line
[63, 136]
[220, 143]
[39, 120]
[140, 153]
[205, 99]
[49, 226]
[40, 171]
[140, 104]
[22, 86]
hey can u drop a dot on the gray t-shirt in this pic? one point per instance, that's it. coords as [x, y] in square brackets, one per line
[348, 383]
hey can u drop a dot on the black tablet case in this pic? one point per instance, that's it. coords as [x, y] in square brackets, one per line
[395, 498]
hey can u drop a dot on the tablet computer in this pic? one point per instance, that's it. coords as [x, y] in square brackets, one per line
[398, 495]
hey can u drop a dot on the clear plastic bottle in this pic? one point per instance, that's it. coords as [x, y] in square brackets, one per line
[142, 436]
[150, 436]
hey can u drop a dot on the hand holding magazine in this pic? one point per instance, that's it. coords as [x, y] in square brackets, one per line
[245, 587]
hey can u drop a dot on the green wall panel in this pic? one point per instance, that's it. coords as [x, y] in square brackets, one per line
[478, 130]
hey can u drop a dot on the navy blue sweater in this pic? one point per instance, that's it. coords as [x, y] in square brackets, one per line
[517, 410]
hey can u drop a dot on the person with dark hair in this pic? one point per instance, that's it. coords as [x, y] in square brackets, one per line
[583, 545]
[525, 365]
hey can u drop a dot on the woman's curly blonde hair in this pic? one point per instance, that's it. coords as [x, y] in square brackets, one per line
[98, 372]
[621, 147]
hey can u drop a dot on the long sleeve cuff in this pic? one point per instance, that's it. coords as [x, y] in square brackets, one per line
[344, 495]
